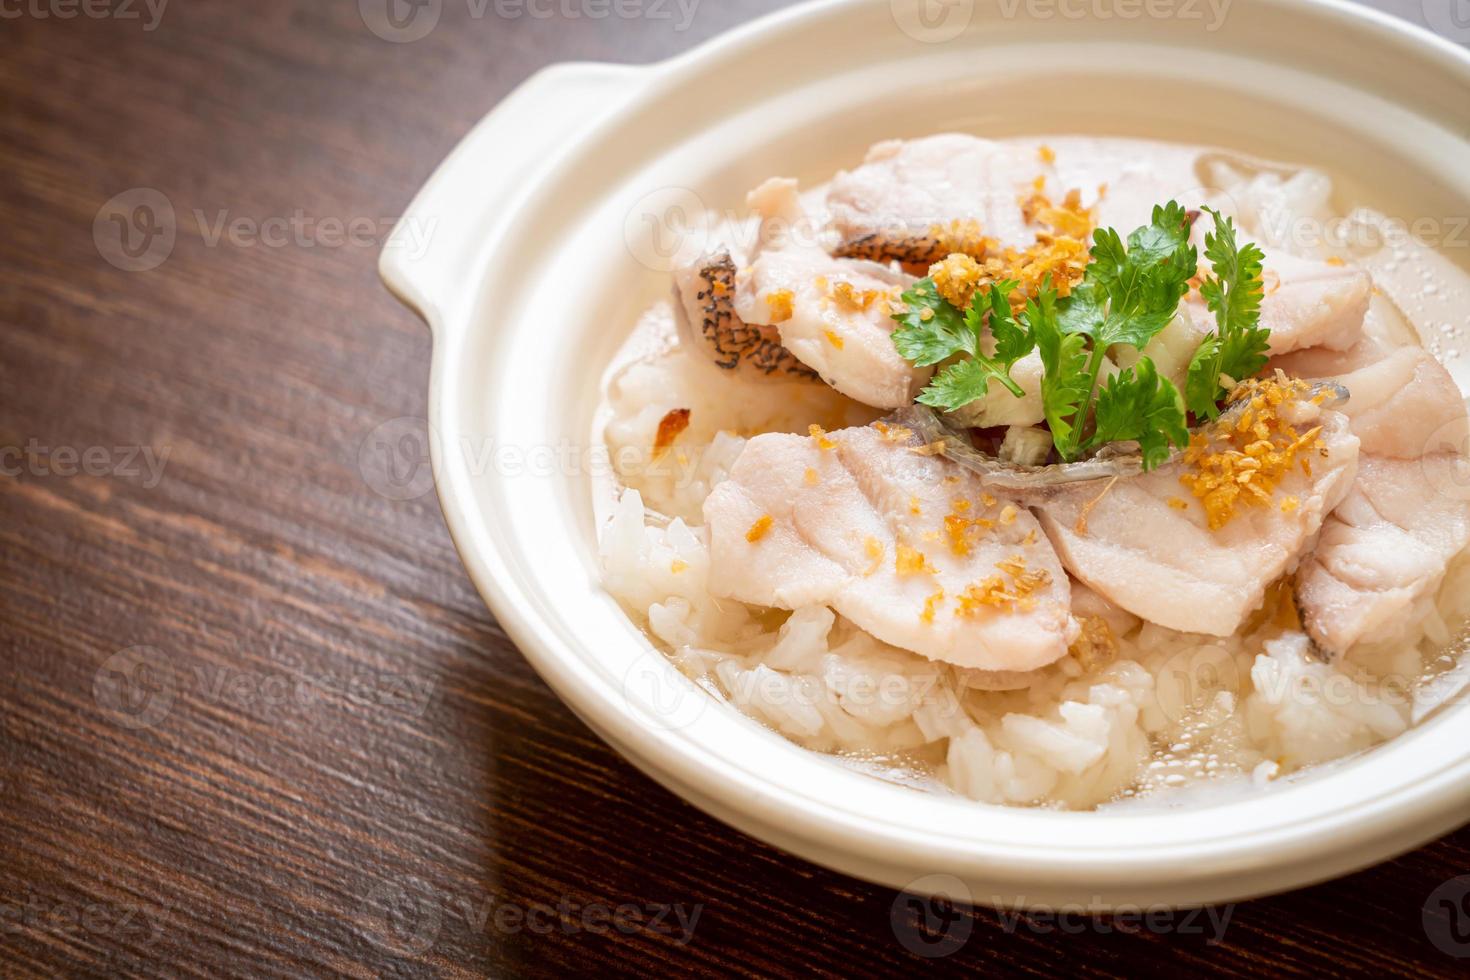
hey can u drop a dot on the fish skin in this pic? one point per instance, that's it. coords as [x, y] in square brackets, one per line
[889, 206]
[705, 290]
[850, 348]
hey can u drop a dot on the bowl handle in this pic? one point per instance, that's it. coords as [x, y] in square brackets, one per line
[432, 249]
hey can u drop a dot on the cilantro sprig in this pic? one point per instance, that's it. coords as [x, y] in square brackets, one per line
[1138, 404]
[1127, 296]
[1067, 372]
[1130, 291]
[945, 332]
[1237, 347]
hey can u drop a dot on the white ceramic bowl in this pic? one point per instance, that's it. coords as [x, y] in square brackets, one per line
[538, 263]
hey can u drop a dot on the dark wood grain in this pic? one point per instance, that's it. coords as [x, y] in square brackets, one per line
[356, 773]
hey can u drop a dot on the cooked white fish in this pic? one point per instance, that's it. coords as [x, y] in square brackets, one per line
[1384, 547]
[1404, 402]
[705, 288]
[910, 547]
[1145, 543]
[1306, 304]
[915, 201]
[1389, 543]
[908, 198]
[1101, 624]
[833, 314]
[1087, 603]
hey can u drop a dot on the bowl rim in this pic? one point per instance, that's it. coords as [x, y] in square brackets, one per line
[688, 765]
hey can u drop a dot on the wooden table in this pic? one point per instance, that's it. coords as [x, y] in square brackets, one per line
[255, 719]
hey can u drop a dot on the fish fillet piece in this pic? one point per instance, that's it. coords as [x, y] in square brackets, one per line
[832, 314]
[1087, 603]
[1306, 303]
[705, 288]
[907, 546]
[1386, 546]
[911, 200]
[1101, 624]
[1404, 403]
[1146, 545]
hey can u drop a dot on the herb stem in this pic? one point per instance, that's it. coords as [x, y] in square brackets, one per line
[1094, 365]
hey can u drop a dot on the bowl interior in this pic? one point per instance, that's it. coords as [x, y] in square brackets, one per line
[519, 381]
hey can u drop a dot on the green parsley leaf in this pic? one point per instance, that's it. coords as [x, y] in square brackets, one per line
[1202, 383]
[1142, 284]
[1237, 347]
[1130, 291]
[1137, 404]
[947, 333]
[958, 384]
[1066, 379]
[1012, 340]
[1085, 309]
[925, 340]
